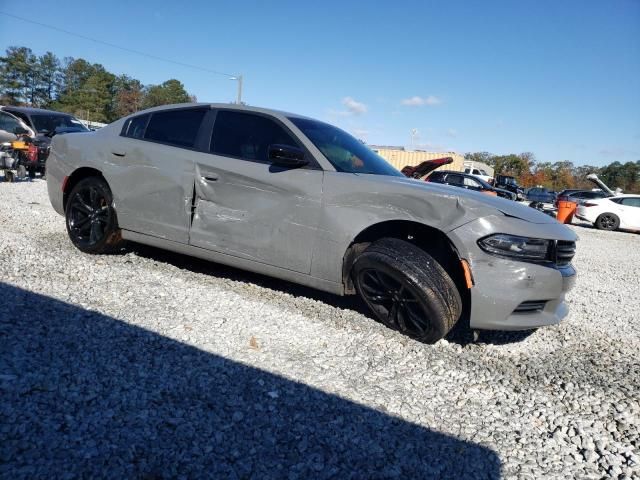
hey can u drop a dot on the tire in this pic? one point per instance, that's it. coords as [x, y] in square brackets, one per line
[407, 290]
[9, 176]
[607, 221]
[91, 220]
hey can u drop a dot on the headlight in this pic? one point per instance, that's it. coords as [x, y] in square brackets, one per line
[532, 249]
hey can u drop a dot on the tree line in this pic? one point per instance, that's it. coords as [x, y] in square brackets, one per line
[560, 175]
[76, 86]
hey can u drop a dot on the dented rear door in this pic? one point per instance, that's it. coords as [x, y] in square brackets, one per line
[246, 207]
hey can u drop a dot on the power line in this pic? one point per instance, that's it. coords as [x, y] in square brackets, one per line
[112, 45]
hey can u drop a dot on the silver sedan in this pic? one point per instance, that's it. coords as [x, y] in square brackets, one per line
[301, 200]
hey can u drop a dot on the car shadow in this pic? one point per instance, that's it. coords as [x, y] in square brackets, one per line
[85, 395]
[461, 334]
[193, 264]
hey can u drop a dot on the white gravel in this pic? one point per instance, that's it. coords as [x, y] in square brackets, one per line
[155, 365]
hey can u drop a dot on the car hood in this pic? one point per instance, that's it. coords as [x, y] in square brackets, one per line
[481, 203]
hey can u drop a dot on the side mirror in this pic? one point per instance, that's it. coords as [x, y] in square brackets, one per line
[20, 131]
[287, 156]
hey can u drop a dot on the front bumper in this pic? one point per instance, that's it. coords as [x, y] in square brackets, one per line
[503, 287]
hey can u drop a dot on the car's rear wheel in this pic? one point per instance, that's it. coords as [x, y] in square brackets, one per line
[608, 221]
[91, 219]
[407, 289]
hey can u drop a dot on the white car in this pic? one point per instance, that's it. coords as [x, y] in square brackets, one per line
[622, 211]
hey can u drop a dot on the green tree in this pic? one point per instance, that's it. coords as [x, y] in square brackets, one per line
[48, 79]
[18, 76]
[171, 91]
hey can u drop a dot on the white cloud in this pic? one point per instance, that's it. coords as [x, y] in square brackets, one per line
[354, 107]
[360, 133]
[417, 101]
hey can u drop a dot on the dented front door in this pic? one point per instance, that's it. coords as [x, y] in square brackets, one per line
[256, 211]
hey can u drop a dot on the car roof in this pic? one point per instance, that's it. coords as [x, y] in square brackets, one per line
[226, 106]
[31, 110]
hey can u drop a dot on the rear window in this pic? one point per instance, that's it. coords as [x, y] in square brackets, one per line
[44, 122]
[134, 127]
[175, 127]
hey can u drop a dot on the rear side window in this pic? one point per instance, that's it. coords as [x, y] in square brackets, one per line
[175, 127]
[134, 127]
[455, 180]
[247, 136]
[630, 201]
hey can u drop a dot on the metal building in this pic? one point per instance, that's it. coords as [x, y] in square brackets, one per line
[399, 157]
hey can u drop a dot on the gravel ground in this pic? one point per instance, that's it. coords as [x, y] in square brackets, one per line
[155, 365]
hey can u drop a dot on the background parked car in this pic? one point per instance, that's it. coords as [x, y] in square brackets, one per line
[507, 182]
[44, 124]
[578, 196]
[612, 213]
[470, 182]
[540, 195]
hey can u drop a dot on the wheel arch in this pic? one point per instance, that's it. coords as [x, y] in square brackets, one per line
[430, 239]
[73, 179]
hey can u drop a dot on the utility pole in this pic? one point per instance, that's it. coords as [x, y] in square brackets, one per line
[239, 78]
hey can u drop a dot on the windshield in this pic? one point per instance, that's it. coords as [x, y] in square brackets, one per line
[49, 123]
[346, 153]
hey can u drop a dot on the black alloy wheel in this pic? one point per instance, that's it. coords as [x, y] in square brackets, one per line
[608, 221]
[90, 217]
[389, 298]
[407, 289]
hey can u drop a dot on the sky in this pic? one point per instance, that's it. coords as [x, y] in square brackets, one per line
[560, 79]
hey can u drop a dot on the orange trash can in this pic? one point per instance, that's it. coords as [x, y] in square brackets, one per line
[566, 211]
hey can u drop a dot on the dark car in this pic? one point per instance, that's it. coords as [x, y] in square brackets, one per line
[540, 195]
[45, 124]
[577, 196]
[470, 182]
[507, 182]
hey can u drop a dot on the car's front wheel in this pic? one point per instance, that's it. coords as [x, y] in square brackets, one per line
[90, 217]
[407, 289]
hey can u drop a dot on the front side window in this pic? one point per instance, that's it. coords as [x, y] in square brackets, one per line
[344, 152]
[469, 182]
[175, 127]
[247, 136]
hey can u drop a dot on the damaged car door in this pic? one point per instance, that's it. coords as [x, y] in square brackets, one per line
[151, 164]
[249, 206]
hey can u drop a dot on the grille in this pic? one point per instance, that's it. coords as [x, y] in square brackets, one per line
[531, 306]
[565, 252]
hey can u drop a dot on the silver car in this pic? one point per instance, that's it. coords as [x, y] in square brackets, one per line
[301, 200]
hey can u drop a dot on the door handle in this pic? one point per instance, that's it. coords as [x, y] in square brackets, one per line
[211, 177]
[118, 154]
